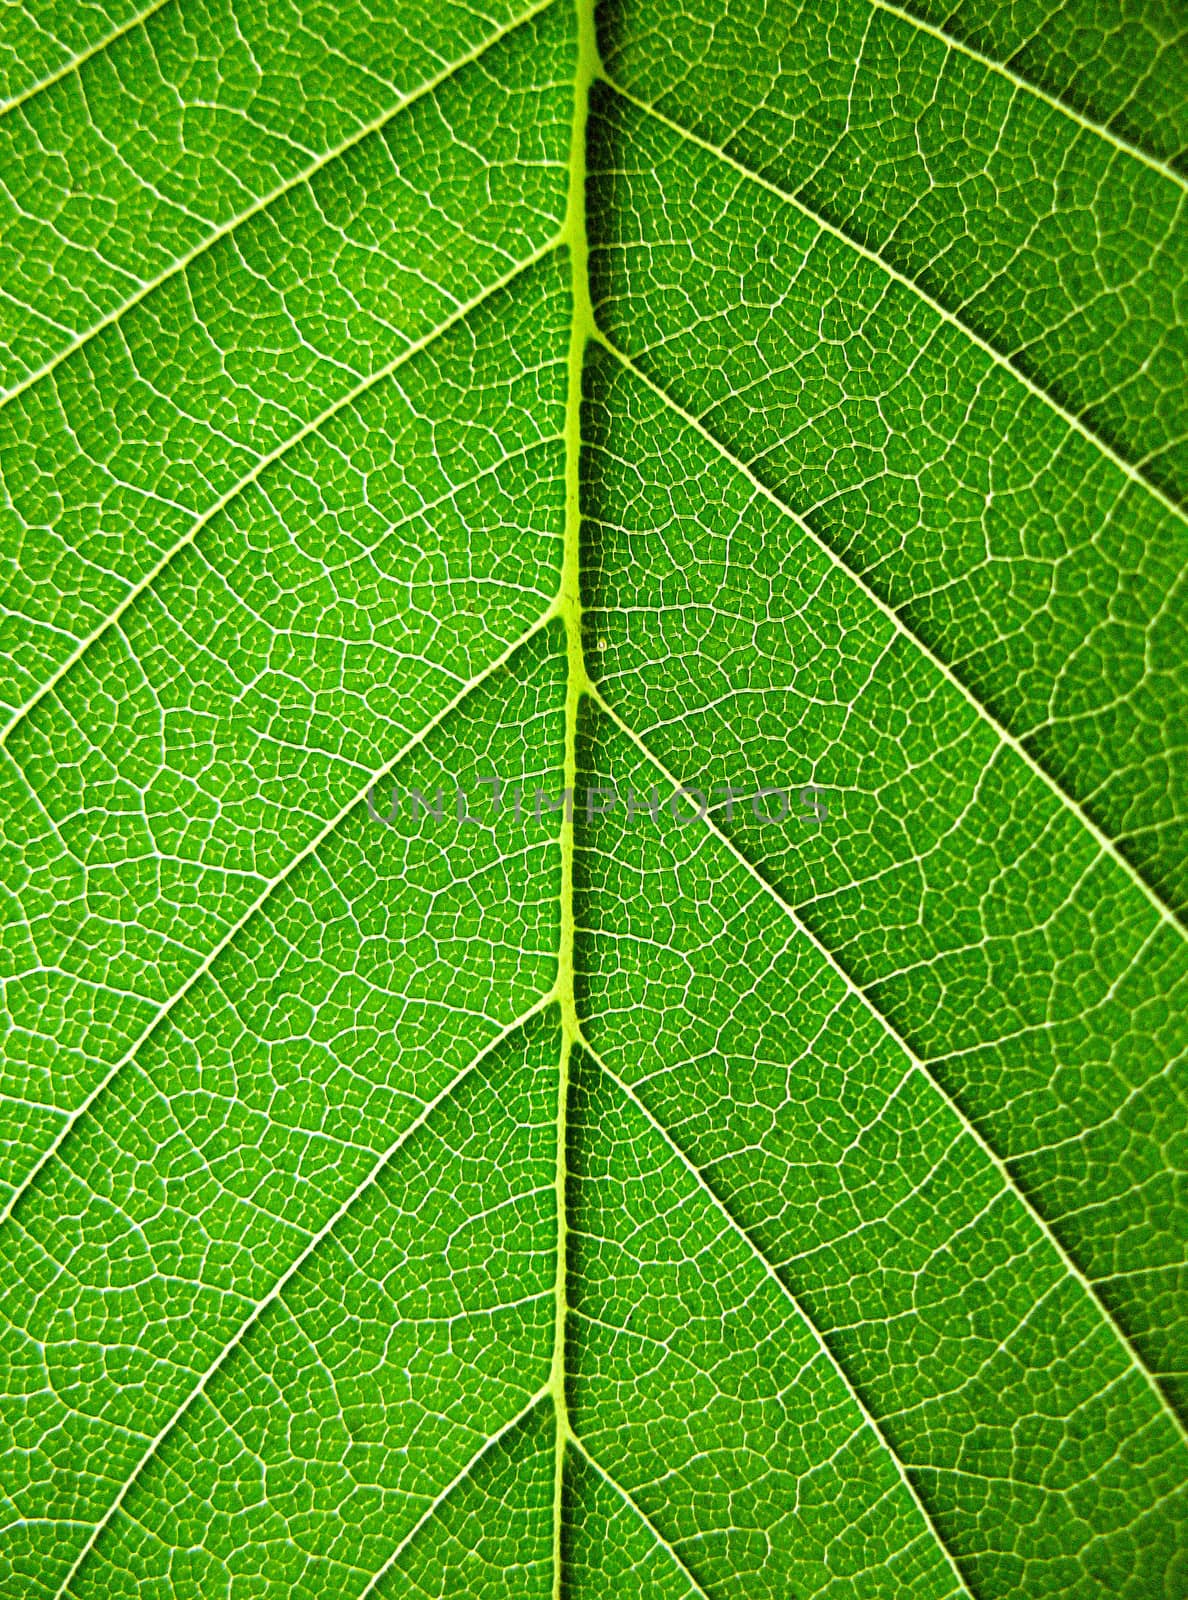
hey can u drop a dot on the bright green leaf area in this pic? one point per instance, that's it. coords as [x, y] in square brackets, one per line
[501, 1201]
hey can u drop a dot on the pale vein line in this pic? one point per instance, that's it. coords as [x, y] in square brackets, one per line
[430, 86]
[737, 1228]
[450, 1487]
[1027, 86]
[81, 59]
[287, 1276]
[1103, 841]
[315, 425]
[861, 995]
[659, 1539]
[269, 889]
[569, 610]
[1070, 418]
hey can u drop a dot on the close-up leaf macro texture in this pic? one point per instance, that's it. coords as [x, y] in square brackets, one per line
[594, 786]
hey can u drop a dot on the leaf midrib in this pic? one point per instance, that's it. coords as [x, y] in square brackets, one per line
[1133, 473]
[1104, 841]
[577, 686]
[567, 606]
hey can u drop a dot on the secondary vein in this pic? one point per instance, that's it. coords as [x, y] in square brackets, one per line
[860, 994]
[1135, 473]
[309, 171]
[1105, 843]
[311, 1248]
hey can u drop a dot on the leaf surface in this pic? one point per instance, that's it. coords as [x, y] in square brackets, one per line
[762, 1175]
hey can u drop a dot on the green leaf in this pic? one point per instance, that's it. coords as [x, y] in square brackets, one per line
[763, 1176]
